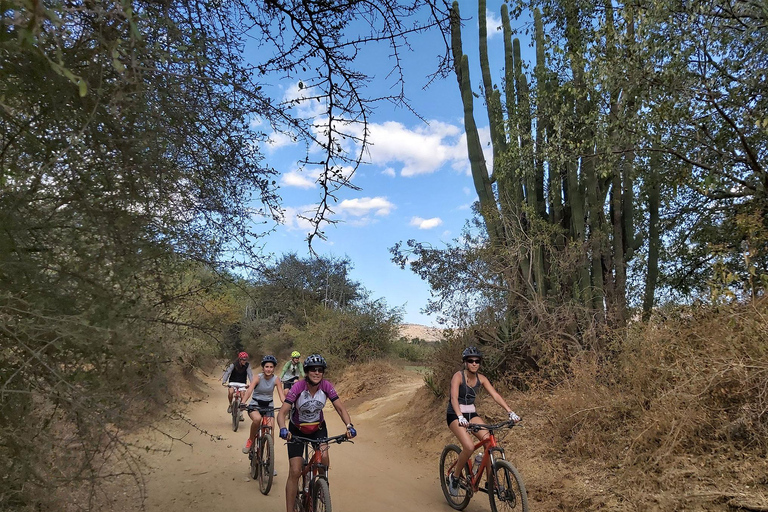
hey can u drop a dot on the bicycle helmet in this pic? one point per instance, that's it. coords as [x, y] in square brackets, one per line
[242, 355]
[268, 359]
[295, 353]
[314, 360]
[471, 352]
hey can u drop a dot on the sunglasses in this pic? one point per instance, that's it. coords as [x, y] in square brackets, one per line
[316, 369]
[243, 359]
[473, 361]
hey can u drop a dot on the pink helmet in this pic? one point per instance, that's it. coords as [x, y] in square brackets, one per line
[242, 355]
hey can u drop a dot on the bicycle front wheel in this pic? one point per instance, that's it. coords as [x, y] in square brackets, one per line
[266, 464]
[255, 466]
[448, 460]
[235, 413]
[321, 496]
[506, 490]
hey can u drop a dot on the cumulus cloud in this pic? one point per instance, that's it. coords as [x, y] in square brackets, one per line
[292, 218]
[426, 223]
[362, 206]
[493, 24]
[297, 179]
[388, 172]
[422, 150]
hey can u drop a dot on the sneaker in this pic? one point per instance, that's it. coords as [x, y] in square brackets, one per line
[247, 446]
[453, 485]
[274, 473]
[229, 409]
[242, 418]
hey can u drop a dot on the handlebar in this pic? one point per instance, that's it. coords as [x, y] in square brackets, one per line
[237, 385]
[474, 427]
[341, 438]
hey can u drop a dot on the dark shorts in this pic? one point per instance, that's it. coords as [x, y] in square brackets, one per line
[264, 407]
[451, 417]
[288, 383]
[296, 449]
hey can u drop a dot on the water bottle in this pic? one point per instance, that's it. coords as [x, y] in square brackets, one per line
[478, 460]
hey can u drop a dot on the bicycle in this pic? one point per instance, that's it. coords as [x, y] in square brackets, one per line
[237, 399]
[503, 483]
[262, 452]
[313, 494]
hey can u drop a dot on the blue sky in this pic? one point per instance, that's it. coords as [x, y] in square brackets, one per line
[416, 182]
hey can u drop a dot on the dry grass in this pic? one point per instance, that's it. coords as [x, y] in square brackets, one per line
[673, 418]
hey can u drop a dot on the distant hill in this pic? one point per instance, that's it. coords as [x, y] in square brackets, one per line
[430, 334]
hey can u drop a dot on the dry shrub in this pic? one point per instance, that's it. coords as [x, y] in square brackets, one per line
[365, 379]
[702, 375]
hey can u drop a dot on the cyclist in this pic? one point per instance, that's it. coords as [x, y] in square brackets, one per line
[292, 370]
[260, 392]
[307, 399]
[461, 409]
[238, 371]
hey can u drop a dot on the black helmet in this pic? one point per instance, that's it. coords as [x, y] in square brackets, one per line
[268, 359]
[315, 360]
[471, 352]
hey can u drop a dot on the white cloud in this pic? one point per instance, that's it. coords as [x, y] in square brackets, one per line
[466, 191]
[297, 179]
[292, 220]
[360, 207]
[422, 150]
[426, 223]
[388, 172]
[493, 24]
[279, 140]
[304, 100]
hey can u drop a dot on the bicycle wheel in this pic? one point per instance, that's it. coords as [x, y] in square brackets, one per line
[448, 460]
[255, 466]
[235, 413]
[321, 496]
[506, 490]
[266, 464]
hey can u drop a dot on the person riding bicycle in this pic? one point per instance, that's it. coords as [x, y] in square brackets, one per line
[239, 371]
[292, 371]
[461, 408]
[261, 392]
[306, 400]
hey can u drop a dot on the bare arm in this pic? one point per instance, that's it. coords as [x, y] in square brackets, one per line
[343, 414]
[455, 383]
[282, 414]
[280, 390]
[251, 386]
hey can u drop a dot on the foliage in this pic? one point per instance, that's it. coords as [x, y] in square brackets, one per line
[132, 179]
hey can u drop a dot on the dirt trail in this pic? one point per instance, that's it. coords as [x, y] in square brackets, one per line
[377, 472]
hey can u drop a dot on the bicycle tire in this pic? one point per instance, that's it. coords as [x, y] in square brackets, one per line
[506, 490]
[235, 413]
[254, 463]
[266, 463]
[321, 496]
[447, 460]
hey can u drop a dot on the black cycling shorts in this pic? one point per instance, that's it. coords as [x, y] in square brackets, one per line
[451, 417]
[264, 407]
[296, 449]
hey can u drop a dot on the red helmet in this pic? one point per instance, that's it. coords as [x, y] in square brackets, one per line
[242, 355]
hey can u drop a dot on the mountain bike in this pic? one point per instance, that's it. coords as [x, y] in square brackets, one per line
[503, 482]
[262, 453]
[237, 399]
[313, 494]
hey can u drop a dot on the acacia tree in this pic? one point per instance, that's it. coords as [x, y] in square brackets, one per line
[128, 158]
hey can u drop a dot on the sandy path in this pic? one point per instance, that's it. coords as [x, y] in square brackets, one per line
[376, 472]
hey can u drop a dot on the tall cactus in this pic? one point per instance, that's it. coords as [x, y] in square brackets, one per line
[480, 177]
[548, 166]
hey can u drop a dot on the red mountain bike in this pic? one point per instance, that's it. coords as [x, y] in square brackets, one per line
[503, 482]
[313, 494]
[262, 453]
